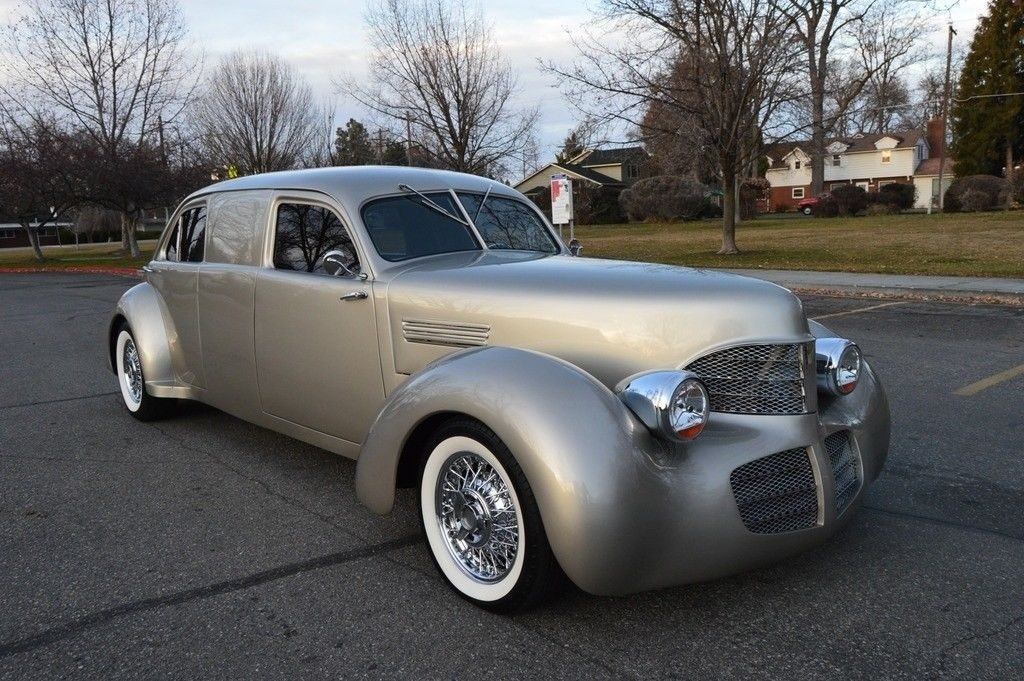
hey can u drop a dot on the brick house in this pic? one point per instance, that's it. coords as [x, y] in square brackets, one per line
[868, 161]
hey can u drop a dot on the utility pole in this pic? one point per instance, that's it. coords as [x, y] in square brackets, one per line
[945, 118]
[408, 138]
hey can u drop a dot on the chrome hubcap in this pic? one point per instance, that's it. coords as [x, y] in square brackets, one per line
[478, 517]
[132, 370]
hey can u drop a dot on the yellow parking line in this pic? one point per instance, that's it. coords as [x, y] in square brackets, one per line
[858, 310]
[994, 379]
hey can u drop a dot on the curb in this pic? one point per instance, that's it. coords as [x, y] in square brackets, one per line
[923, 295]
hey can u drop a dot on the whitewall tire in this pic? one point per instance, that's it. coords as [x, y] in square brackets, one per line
[481, 521]
[131, 380]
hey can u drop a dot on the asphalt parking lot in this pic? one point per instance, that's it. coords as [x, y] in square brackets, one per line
[203, 546]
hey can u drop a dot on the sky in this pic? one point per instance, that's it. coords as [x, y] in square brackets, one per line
[324, 40]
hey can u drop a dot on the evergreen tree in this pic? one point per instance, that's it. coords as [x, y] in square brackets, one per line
[353, 146]
[988, 133]
[572, 147]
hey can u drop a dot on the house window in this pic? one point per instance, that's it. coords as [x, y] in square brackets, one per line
[632, 171]
[798, 192]
[8, 233]
[796, 165]
[836, 160]
[886, 156]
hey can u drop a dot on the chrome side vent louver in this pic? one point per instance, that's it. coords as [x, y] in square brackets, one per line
[458, 334]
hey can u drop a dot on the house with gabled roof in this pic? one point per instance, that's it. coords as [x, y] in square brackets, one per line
[868, 161]
[616, 168]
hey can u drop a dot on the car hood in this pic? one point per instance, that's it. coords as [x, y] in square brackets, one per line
[611, 318]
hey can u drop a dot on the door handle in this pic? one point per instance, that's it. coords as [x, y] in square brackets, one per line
[146, 269]
[354, 295]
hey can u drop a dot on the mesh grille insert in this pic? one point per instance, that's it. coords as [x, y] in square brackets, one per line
[755, 379]
[844, 468]
[776, 493]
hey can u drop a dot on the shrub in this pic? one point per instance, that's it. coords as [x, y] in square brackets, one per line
[752, 191]
[974, 200]
[664, 197]
[881, 208]
[850, 199]
[826, 207]
[899, 195]
[988, 192]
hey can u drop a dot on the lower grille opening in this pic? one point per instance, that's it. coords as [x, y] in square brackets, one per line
[843, 462]
[776, 493]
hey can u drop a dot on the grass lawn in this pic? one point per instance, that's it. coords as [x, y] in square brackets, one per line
[956, 244]
[68, 257]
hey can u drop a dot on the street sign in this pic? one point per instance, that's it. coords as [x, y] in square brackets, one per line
[561, 199]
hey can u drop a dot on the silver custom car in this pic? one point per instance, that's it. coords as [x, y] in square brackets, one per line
[627, 425]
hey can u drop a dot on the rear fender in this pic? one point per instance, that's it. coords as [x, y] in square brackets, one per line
[150, 322]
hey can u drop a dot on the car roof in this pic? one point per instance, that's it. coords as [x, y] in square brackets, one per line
[351, 185]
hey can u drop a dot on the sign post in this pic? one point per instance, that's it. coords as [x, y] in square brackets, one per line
[561, 203]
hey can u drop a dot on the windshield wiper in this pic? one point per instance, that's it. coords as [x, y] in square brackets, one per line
[429, 203]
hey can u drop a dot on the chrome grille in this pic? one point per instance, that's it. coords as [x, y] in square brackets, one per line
[776, 493]
[844, 468]
[756, 379]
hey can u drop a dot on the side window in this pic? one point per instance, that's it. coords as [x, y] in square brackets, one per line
[193, 234]
[305, 233]
[171, 251]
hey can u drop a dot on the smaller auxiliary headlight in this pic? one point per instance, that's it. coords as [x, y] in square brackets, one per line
[673, 404]
[838, 363]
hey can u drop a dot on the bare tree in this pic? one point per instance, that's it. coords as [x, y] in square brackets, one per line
[725, 65]
[35, 183]
[436, 73]
[258, 115]
[879, 33]
[118, 70]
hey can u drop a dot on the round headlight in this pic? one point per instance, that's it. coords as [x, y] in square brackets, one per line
[673, 404]
[689, 411]
[838, 365]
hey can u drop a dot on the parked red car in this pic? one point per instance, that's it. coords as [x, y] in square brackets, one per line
[806, 206]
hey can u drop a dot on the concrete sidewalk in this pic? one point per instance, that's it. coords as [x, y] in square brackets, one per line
[892, 284]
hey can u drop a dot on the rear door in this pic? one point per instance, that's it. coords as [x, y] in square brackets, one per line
[175, 274]
[317, 353]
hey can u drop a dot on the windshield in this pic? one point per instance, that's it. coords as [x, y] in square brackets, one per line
[507, 223]
[408, 226]
[417, 224]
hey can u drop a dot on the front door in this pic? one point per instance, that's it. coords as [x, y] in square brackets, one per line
[174, 273]
[317, 356]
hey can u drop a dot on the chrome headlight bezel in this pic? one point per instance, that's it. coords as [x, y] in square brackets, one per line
[673, 404]
[838, 363]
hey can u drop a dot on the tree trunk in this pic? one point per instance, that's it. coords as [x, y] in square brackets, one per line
[1011, 173]
[33, 239]
[729, 218]
[128, 241]
[817, 139]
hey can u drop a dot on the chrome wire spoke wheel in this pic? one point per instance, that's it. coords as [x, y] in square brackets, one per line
[129, 371]
[473, 518]
[477, 517]
[132, 370]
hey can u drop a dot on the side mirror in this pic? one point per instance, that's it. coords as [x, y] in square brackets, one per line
[575, 248]
[339, 263]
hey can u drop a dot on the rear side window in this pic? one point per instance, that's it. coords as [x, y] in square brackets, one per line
[403, 227]
[305, 233]
[193, 234]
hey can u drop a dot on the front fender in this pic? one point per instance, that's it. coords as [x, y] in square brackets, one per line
[150, 322]
[582, 451]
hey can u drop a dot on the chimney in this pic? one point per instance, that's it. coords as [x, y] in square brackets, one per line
[936, 137]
